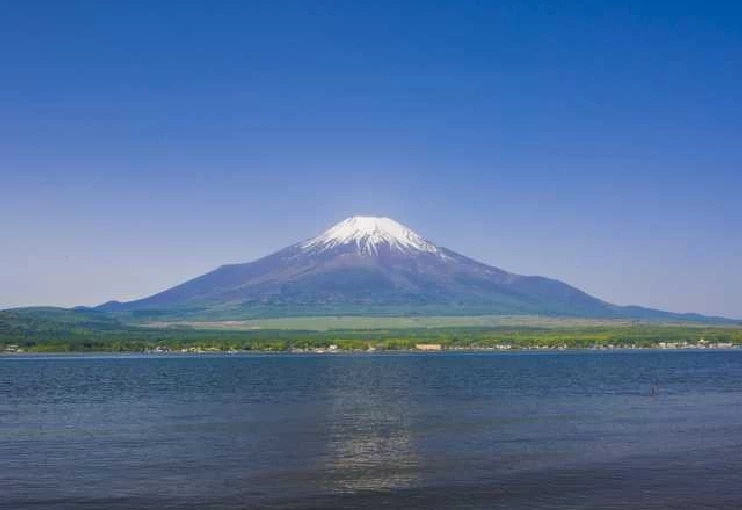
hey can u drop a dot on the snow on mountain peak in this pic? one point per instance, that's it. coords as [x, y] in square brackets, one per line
[368, 233]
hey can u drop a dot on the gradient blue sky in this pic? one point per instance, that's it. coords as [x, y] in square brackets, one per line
[144, 143]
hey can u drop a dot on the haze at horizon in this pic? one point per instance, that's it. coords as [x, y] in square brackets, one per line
[146, 145]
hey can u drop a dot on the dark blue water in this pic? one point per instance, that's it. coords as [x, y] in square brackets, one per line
[524, 431]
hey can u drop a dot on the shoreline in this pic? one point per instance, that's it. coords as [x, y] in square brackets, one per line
[155, 354]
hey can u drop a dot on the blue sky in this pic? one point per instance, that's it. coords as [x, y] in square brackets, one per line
[144, 143]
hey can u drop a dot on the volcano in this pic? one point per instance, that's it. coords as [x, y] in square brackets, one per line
[371, 265]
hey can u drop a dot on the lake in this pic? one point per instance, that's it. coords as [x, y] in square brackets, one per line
[530, 430]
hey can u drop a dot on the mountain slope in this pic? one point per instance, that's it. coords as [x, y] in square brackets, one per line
[370, 265]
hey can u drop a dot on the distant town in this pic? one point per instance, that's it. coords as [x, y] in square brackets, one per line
[427, 347]
[334, 348]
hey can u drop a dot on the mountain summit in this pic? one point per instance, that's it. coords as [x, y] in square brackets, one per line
[369, 265]
[369, 235]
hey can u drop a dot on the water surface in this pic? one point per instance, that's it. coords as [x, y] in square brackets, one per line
[492, 430]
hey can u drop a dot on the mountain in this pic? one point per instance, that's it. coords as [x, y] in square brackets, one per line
[369, 265]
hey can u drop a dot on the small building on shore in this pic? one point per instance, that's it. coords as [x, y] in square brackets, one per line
[429, 347]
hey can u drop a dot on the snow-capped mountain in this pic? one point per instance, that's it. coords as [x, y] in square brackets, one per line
[368, 235]
[368, 265]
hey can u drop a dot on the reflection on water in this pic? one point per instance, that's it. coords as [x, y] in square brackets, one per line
[370, 443]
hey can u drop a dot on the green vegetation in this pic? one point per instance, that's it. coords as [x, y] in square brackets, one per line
[279, 311]
[355, 322]
[57, 330]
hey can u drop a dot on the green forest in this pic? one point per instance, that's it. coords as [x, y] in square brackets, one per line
[61, 330]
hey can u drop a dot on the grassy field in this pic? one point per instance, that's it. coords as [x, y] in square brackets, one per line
[391, 323]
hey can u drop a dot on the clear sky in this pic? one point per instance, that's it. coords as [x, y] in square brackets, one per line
[144, 143]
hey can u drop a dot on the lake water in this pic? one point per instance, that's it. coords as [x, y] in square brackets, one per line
[569, 430]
